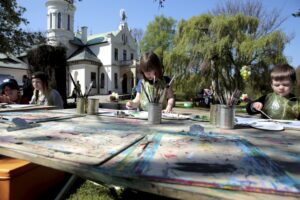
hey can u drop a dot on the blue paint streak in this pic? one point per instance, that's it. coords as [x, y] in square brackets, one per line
[148, 154]
[264, 166]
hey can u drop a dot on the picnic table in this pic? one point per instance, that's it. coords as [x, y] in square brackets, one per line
[179, 158]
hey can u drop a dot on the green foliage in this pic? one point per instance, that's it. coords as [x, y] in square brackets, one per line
[158, 36]
[297, 88]
[13, 39]
[90, 191]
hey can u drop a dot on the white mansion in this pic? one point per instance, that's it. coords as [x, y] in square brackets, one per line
[108, 59]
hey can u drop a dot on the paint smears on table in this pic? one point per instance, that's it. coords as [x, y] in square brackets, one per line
[205, 167]
[206, 160]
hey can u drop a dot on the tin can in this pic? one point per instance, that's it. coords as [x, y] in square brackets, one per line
[154, 113]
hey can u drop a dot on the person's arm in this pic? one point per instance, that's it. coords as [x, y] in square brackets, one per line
[253, 107]
[55, 99]
[134, 103]
[4, 99]
[171, 100]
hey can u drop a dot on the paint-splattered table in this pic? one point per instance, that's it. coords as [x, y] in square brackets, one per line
[170, 159]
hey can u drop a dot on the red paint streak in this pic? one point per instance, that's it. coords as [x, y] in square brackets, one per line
[170, 156]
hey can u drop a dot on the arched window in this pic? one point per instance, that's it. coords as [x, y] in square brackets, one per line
[59, 20]
[69, 22]
[102, 80]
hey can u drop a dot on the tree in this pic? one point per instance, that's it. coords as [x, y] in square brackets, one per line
[159, 36]
[161, 3]
[297, 88]
[14, 39]
[215, 48]
[137, 34]
[296, 14]
[269, 21]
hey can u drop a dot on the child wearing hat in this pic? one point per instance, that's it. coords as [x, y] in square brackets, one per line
[10, 92]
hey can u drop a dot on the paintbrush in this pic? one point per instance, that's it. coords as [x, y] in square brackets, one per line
[262, 112]
[89, 90]
[145, 92]
[170, 83]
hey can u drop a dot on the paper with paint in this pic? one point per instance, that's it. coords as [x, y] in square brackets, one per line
[206, 161]
[38, 115]
[287, 124]
[144, 115]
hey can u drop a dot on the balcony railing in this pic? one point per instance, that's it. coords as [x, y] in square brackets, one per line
[123, 62]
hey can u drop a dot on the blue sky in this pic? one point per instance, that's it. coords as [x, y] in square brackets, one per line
[103, 15]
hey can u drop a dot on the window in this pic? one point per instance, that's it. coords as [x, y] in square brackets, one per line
[116, 81]
[50, 20]
[59, 20]
[69, 21]
[131, 56]
[116, 54]
[124, 38]
[93, 78]
[124, 54]
[102, 80]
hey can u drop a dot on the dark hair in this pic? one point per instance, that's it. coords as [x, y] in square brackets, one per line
[42, 76]
[282, 72]
[150, 61]
[11, 83]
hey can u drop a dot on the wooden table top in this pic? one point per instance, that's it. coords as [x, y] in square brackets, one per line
[102, 149]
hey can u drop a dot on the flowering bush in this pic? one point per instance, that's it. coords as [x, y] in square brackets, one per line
[244, 98]
[114, 96]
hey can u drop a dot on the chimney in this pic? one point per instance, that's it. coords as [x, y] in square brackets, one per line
[84, 34]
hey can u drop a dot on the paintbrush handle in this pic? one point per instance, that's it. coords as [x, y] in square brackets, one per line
[265, 114]
[170, 83]
[89, 89]
[145, 92]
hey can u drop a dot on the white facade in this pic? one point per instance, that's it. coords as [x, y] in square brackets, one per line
[60, 22]
[106, 58]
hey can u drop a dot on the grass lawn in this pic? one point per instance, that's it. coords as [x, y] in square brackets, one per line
[87, 190]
